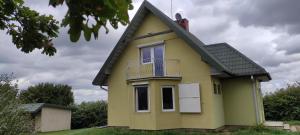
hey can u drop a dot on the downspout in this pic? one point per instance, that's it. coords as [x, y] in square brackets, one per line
[255, 100]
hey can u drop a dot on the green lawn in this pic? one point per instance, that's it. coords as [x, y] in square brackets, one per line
[113, 131]
[294, 122]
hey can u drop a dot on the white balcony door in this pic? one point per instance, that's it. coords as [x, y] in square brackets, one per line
[154, 55]
[158, 52]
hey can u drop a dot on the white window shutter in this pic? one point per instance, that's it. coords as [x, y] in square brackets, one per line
[190, 105]
[189, 90]
[189, 98]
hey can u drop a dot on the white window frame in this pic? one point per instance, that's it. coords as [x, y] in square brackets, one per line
[151, 55]
[136, 99]
[218, 88]
[173, 97]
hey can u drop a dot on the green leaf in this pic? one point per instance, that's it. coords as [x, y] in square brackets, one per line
[74, 34]
[87, 33]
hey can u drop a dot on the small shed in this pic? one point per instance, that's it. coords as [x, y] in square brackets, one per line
[49, 117]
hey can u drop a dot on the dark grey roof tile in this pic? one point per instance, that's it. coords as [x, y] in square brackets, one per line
[238, 63]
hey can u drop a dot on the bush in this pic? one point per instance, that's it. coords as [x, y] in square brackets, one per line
[89, 114]
[13, 120]
[283, 104]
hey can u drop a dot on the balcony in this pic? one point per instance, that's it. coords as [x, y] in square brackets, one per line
[155, 68]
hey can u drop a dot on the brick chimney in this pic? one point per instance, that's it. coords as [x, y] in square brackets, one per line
[184, 23]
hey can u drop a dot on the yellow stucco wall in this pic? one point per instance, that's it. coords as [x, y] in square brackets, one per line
[193, 70]
[142, 120]
[53, 119]
[218, 106]
[166, 120]
[238, 101]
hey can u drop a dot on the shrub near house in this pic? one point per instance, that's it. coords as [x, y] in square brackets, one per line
[12, 120]
[283, 104]
[89, 114]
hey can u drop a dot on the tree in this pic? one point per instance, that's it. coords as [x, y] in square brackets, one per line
[13, 120]
[89, 114]
[283, 104]
[58, 94]
[30, 30]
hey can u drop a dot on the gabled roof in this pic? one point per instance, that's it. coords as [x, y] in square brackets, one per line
[236, 62]
[232, 63]
[37, 107]
[146, 8]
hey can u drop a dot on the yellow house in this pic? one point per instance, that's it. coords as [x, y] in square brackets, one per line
[160, 76]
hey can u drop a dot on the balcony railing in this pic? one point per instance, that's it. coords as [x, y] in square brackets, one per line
[154, 68]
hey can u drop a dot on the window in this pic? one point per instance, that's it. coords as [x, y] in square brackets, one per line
[152, 54]
[219, 89]
[146, 55]
[141, 98]
[215, 88]
[168, 98]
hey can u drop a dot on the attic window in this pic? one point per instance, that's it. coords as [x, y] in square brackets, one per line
[152, 53]
[146, 55]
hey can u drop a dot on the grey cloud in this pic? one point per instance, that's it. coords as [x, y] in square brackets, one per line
[246, 25]
[75, 64]
[253, 32]
[289, 44]
[204, 2]
[42, 6]
[269, 13]
[89, 95]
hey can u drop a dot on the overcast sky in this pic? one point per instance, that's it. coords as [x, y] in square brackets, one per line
[267, 31]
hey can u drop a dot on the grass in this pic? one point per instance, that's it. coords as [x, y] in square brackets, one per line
[115, 131]
[293, 122]
[263, 131]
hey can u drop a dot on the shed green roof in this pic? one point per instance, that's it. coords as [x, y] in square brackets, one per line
[37, 107]
[32, 108]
